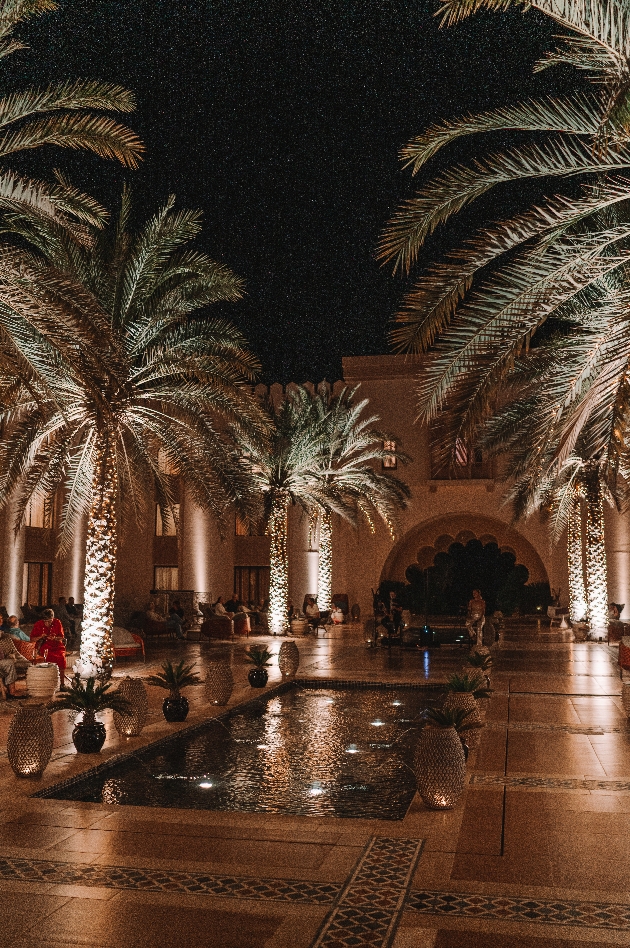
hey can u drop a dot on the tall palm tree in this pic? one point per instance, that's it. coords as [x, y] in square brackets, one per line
[66, 114]
[353, 485]
[484, 301]
[563, 262]
[285, 470]
[111, 365]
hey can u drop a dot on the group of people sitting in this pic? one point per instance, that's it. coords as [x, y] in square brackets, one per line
[49, 638]
[174, 620]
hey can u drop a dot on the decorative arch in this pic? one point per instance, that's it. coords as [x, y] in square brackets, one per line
[426, 539]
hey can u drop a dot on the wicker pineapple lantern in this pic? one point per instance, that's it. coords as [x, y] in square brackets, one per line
[129, 723]
[463, 692]
[30, 741]
[288, 659]
[440, 764]
[219, 682]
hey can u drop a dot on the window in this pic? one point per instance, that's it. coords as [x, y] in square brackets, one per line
[166, 528]
[252, 530]
[251, 583]
[40, 512]
[469, 463]
[37, 584]
[166, 577]
[390, 461]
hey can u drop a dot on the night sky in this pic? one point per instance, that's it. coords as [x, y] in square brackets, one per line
[282, 120]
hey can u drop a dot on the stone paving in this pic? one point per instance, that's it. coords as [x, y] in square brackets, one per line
[535, 854]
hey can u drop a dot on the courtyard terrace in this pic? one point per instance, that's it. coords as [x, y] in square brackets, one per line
[535, 854]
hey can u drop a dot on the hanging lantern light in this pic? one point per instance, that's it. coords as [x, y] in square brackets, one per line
[130, 723]
[30, 740]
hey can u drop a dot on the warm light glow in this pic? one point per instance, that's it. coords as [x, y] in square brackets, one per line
[577, 590]
[324, 580]
[278, 563]
[597, 587]
[77, 565]
[97, 651]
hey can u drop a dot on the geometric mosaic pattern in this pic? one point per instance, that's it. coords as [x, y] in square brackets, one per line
[550, 783]
[370, 905]
[507, 908]
[169, 880]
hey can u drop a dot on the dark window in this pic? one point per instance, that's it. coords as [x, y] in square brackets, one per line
[37, 584]
[166, 577]
[251, 583]
[389, 461]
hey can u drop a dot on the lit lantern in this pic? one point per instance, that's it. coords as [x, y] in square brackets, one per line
[30, 741]
[130, 723]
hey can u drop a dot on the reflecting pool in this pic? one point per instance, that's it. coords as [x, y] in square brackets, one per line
[308, 751]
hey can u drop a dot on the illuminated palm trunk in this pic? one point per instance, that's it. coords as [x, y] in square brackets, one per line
[279, 566]
[577, 590]
[324, 568]
[97, 650]
[596, 582]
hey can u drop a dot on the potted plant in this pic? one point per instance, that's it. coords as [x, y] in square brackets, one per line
[173, 678]
[89, 696]
[458, 718]
[482, 664]
[260, 658]
[440, 762]
[463, 690]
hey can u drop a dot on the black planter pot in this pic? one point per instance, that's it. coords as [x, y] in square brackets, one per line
[258, 677]
[175, 709]
[88, 738]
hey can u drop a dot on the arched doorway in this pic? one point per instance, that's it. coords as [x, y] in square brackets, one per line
[440, 561]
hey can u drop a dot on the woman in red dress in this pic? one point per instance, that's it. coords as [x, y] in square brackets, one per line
[48, 634]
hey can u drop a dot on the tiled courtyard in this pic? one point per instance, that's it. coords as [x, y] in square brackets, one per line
[536, 853]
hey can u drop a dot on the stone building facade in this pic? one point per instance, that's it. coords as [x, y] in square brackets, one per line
[197, 557]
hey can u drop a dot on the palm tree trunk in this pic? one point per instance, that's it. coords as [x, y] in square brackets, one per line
[279, 565]
[596, 584]
[97, 650]
[577, 590]
[324, 568]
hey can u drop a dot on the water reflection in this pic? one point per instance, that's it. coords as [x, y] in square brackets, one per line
[308, 751]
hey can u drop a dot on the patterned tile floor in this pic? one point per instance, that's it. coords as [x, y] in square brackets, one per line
[606, 915]
[372, 901]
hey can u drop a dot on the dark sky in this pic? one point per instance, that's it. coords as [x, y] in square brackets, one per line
[282, 120]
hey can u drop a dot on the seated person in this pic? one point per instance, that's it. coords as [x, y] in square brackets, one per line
[475, 620]
[232, 605]
[312, 613]
[152, 615]
[9, 660]
[14, 630]
[614, 613]
[220, 610]
[48, 634]
[174, 621]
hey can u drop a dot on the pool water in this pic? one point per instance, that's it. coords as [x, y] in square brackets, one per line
[307, 751]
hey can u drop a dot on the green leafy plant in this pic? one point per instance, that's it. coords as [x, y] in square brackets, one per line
[259, 656]
[469, 684]
[175, 677]
[89, 697]
[451, 717]
[481, 662]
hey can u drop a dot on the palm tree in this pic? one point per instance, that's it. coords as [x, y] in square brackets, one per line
[352, 446]
[285, 470]
[67, 115]
[112, 377]
[487, 298]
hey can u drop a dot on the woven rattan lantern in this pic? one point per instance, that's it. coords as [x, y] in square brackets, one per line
[130, 723]
[219, 682]
[42, 681]
[288, 659]
[30, 740]
[440, 767]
